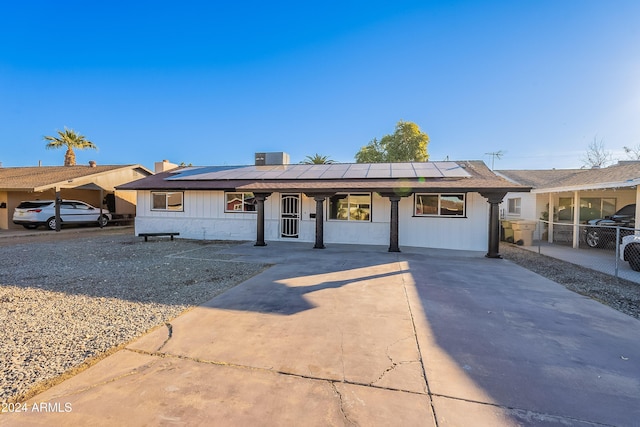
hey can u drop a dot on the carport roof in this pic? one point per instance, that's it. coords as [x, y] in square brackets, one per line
[624, 174]
[39, 178]
[464, 176]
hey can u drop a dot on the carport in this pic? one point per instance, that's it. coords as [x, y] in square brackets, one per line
[84, 183]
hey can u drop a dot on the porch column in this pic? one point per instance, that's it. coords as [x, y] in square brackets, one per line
[576, 219]
[393, 229]
[319, 199]
[494, 200]
[57, 209]
[552, 208]
[100, 217]
[394, 221]
[319, 222]
[260, 198]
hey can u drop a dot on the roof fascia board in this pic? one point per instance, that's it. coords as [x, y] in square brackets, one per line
[602, 186]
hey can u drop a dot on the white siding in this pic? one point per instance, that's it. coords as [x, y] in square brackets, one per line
[527, 206]
[468, 233]
[204, 218]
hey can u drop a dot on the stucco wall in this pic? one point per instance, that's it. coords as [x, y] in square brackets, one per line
[204, 218]
[125, 202]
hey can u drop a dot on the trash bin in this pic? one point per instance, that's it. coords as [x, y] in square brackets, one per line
[523, 231]
[507, 231]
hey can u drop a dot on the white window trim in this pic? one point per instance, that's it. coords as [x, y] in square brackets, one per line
[348, 219]
[166, 198]
[237, 211]
[518, 209]
[438, 215]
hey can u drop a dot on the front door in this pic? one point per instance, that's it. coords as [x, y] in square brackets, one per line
[290, 215]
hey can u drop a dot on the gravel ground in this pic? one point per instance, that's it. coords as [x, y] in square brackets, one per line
[66, 300]
[618, 294]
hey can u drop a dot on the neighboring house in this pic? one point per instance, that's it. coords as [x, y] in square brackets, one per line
[430, 204]
[573, 195]
[92, 184]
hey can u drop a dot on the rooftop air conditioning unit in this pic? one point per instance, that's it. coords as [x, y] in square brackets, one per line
[267, 159]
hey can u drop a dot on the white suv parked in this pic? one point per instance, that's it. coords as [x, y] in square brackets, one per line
[43, 212]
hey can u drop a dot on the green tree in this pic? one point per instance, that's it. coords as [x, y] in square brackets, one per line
[317, 159]
[69, 139]
[407, 144]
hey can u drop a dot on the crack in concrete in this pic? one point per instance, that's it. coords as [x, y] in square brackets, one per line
[389, 369]
[420, 359]
[394, 364]
[344, 414]
[170, 334]
[273, 371]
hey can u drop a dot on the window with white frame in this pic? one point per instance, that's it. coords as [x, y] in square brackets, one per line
[350, 207]
[167, 201]
[439, 205]
[514, 206]
[239, 202]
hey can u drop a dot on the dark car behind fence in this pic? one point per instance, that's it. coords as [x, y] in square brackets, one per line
[599, 247]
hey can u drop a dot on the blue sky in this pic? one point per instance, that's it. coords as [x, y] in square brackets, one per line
[210, 83]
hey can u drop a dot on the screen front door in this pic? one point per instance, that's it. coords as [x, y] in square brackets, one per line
[290, 215]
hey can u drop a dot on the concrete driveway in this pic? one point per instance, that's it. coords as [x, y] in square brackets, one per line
[353, 335]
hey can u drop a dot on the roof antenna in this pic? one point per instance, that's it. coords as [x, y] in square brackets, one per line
[495, 155]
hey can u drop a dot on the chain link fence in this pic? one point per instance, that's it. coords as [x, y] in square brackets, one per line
[602, 248]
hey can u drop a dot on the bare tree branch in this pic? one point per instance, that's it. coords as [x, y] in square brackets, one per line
[633, 152]
[597, 156]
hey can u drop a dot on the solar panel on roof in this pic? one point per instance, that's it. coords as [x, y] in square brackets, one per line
[332, 171]
[311, 174]
[402, 170]
[451, 170]
[357, 171]
[335, 171]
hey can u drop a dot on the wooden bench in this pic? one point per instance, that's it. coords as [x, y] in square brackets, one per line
[147, 235]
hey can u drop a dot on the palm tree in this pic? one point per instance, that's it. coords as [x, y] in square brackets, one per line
[317, 159]
[70, 139]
